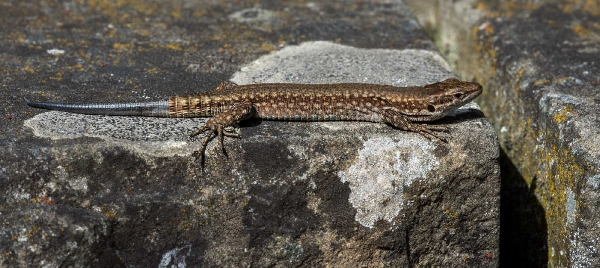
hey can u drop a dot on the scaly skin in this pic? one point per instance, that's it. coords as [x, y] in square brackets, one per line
[401, 107]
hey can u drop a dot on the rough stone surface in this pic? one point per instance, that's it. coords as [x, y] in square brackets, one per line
[117, 191]
[540, 64]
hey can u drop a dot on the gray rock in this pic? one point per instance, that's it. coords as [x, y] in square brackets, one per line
[539, 63]
[83, 190]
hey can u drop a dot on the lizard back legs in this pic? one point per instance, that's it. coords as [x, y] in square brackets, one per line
[217, 125]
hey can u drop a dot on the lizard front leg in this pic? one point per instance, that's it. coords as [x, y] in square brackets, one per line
[216, 125]
[400, 121]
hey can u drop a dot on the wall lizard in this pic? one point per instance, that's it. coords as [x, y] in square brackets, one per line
[402, 107]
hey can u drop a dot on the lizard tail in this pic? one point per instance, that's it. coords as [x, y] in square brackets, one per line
[154, 109]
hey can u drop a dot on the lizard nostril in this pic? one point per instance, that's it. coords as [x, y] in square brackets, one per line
[458, 95]
[430, 108]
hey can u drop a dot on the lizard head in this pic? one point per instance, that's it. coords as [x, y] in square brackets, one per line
[441, 98]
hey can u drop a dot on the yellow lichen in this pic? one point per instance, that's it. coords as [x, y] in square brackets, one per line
[541, 82]
[580, 30]
[589, 6]
[481, 6]
[108, 213]
[28, 69]
[267, 47]
[555, 172]
[562, 174]
[563, 114]
[173, 46]
[185, 226]
[122, 47]
[450, 214]
[559, 80]
[152, 70]
[519, 74]
[57, 77]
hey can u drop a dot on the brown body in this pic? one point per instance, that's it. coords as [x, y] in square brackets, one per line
[230, 103]
[322, 102]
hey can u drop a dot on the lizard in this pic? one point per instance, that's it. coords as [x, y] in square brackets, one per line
[405, 108]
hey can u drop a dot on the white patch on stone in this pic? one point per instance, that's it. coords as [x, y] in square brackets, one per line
[594, 181]
[571, 206]
[21, 196]
[55, 51]
[175, 257]
[71, 245]
[582, 250]
[383, 168]
[80, 184]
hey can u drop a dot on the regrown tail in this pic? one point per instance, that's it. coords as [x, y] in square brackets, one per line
[153, 109]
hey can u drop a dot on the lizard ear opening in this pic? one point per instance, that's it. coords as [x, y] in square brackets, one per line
[430, 108]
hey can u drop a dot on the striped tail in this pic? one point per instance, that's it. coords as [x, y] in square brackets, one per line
[154, 109]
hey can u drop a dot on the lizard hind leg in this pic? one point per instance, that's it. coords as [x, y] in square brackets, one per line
[218, 126]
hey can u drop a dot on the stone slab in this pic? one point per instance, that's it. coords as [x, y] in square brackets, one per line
[540, 63]
[117, 191]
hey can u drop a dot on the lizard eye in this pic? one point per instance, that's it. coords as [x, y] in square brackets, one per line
[430, 108]
[458, 95]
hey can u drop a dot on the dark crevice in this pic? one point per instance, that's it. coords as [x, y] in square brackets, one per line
[407, 238]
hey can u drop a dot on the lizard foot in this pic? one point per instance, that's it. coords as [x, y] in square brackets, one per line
[429, 131]
[214, 130]
[400, 121]
[220, 126]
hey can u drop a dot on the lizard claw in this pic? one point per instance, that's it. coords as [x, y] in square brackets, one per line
[199, 131]
[429, 131]
[214, 130]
